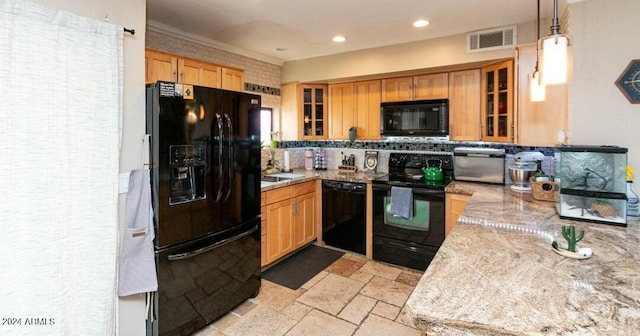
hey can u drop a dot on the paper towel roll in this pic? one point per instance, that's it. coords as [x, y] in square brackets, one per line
[286, 161]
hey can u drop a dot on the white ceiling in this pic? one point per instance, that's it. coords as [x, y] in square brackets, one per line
[304, 28]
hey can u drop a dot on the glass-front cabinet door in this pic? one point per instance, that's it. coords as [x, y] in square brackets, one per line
[497, 102]
[314, 113]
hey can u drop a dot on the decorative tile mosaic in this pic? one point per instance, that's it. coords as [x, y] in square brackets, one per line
[336, 150]
[411, 144]
[261, 89]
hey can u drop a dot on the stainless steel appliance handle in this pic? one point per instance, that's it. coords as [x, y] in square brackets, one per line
[191, 254]
[230, 139]
[220, 174]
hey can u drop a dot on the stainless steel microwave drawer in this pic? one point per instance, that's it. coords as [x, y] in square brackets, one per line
[479, 164]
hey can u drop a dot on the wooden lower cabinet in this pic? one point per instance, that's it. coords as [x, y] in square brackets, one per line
[455, 204]
[288, 220]
[263, 229]
[280, 225]
[304, 213]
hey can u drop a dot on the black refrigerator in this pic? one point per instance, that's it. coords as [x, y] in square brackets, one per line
[205, 184]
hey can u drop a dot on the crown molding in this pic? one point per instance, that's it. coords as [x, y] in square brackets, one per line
[168, 30]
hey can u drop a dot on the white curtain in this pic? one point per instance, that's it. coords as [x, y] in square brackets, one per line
[61, 114]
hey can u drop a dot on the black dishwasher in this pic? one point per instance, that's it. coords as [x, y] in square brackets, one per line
[344, 215]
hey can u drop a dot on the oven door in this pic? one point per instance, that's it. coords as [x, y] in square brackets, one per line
[408, 242]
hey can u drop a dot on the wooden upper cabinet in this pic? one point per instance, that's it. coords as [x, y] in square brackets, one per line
[464, 105]
[313, 108]
[367, 109]
[290, 114]
[431, 86]
[497, 102]
[303, 112]
[397, 89]
[198, 73]
[538, 123]
[341, 110]
[160, 67]
[232, 79]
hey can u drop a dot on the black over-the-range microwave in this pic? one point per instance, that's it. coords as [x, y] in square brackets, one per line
[415, 118]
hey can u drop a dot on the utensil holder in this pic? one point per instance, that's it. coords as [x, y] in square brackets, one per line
[347, 169]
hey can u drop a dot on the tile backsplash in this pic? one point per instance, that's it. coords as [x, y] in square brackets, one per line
[337, 149]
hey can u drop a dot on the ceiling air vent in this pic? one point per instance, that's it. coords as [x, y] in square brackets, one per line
[492, 39]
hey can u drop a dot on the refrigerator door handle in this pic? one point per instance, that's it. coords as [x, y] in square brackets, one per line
[191, 254]
[230, 149]
[220, 165]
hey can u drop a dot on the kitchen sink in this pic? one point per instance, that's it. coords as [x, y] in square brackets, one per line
[266, 184]
[277, 177]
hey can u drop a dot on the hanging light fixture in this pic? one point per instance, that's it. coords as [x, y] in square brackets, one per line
[554, 53]
[537, 91]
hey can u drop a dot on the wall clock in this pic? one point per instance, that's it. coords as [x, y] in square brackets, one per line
[629, 82]
[370, 160]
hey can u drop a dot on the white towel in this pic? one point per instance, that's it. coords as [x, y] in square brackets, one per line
[137, 263]
[402, 202]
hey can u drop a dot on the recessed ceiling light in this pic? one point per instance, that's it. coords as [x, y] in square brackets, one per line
[421, 23]
[339, 38]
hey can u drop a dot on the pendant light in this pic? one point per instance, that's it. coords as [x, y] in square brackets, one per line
[554, 53]
[537, 91]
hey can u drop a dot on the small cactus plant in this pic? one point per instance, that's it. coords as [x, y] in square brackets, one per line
[569, 233]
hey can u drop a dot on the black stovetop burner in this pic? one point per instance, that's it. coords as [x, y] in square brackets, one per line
[405, 170]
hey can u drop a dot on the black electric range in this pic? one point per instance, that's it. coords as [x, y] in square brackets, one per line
[411, 242]
[405, 170]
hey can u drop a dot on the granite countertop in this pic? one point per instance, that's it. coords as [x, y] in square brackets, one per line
[311, 175]
[496, 273]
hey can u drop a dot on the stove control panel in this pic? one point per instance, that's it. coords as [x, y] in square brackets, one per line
[419, 160]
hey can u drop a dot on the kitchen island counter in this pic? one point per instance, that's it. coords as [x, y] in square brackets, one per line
[496, 273]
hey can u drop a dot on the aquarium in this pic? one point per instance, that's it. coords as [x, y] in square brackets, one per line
[592, 181]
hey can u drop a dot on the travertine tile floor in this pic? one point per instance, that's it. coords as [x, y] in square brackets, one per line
[352, 297]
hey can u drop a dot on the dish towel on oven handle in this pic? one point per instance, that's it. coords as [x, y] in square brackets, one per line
[137, 263]
[402, 202]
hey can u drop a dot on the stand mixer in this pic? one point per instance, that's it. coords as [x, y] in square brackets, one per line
[524, 166]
